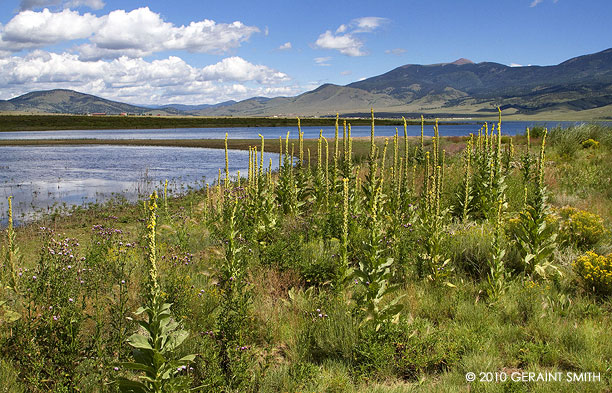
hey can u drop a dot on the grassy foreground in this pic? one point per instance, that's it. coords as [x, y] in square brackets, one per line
[373, 266]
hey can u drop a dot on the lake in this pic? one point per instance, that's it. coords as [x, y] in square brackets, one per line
[508, 128]
[39, 177]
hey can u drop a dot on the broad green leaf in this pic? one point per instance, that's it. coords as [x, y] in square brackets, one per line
[139, 341]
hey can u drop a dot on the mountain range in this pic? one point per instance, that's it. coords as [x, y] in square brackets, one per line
[462, 88]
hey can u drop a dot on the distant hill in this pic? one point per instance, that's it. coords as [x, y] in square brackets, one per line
[458, 88]
[69, 101]
[461, 88]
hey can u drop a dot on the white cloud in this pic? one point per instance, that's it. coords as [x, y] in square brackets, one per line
[238, 69]
[346, 44]
[285, 46]
[367, 24]
[140, 81]
[137, 33]
[30, 29]
[515, 65]
[344, 39]
[347, 72]
[395, 51]
[145, 32]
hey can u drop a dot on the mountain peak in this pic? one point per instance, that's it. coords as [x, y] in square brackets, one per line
[462, 61]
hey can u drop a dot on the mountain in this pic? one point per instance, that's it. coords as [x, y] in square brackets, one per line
[68, 101]
[458, 88]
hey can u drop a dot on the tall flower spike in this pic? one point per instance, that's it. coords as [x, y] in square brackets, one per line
[261, 163]
[226, 164]
[153, 285]
[301, 143]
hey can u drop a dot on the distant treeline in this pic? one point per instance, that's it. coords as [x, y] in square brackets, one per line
[75, 122]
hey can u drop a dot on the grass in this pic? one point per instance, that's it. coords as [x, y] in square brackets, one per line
[255, 273]
[81, 122]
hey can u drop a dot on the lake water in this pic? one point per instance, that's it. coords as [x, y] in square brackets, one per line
[508, 128]
[41, 177]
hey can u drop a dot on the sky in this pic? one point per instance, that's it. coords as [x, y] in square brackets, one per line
[157, 52]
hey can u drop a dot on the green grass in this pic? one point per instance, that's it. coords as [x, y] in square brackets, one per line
[81, 122]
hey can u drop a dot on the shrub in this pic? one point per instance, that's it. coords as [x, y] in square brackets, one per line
[580, 228]
[595, 271]
[590, 144]
[537, 131]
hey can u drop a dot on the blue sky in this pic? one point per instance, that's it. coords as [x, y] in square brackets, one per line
[192, 52]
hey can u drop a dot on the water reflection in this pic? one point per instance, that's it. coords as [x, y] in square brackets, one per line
[40, 177]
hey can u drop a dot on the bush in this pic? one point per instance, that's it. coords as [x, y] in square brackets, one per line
[595, 271]
[580, 228]
[590, 144]
[537, 131]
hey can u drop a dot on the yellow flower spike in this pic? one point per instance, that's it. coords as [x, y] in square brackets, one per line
[226, 164]
[422, 127]
[151, 257]
[301, 143]
[344, 141]
[336, 148]
[262, 155]
[280, 153]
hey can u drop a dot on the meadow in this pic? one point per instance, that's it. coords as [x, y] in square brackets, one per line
[361, 265]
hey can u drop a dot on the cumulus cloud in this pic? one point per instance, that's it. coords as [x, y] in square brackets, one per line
[30, 29]
[535, 2]
[140, 81]
[285, 46]
[344, 39]
[238, 69]
[137, 33]
[344, 43]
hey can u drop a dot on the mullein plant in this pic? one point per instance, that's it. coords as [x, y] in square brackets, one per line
[11, 253]
[374, 270]
[527, 161]
[463, 196]
[432, 263]
[498, 275]
[154, 351]
[235, 298]
[535, 236]
[10, 277]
